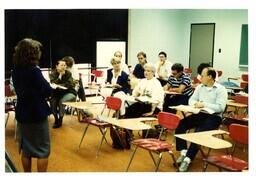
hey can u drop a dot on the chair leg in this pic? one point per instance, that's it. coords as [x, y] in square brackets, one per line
[102, 132]
[131, 158]
[72, 111]
[205, 165]
[152, 157]
[15, 129]
[174, 160]
[6, 121]
[159, 161]
[83, 136]
[101, 141]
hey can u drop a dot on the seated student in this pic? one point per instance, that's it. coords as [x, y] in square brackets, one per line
[199, 71]
[178, 82]
[151, 88]
[77, 82]
[61, 76]
[124, 67]
[138, 72]
[163, 68]
[118, 80]
[70, 62]
[209, 94]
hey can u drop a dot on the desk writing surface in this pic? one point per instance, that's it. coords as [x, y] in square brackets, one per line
[128, 123]
[79, 105]
[206, 139]
[140, 98]
[234, 88]
[172, 93]
[234, 104]
[144, 119]
[192, 109]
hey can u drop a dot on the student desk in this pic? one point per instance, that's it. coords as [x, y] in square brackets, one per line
[131, 123]
[82, 105]
[206, 139]
[237, 106]
[143, 99]
[79, 105]
[234, 88]
[183, 109]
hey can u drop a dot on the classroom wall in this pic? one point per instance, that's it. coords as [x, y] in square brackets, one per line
[169, 30]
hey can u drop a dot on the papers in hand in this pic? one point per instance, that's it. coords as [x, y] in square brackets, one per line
[143, 99]
[55, 86]
[192, 109]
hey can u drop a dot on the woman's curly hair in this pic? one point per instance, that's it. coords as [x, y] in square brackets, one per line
[27, 52]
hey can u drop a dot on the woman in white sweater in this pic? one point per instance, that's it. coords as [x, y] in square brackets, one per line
[150, 88]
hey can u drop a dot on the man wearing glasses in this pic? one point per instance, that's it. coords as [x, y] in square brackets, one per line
[163, 68]
[179, 83]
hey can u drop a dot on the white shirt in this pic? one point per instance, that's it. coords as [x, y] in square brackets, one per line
[152, 89]
[74, 72]
[114, 79]
[165, 70]
[124, 67]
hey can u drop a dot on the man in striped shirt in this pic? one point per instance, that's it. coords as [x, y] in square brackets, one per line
[178, 82]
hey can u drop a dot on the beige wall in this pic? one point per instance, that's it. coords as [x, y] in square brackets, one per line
[169, 30]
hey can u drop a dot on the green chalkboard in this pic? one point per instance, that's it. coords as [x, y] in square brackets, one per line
[243, 60]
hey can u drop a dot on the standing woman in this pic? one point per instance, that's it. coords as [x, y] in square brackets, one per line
[32, 109]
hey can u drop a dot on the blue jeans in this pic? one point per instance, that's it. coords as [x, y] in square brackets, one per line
[57, 106]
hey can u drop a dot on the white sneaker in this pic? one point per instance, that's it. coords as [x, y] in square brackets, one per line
[180, 159]
[184, 166]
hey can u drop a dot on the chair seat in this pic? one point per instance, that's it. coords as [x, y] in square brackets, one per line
[95, 122]
[152, 144]
[228, 162]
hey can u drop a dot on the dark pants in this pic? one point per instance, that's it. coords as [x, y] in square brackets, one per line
[201, 122]
[138, 108]
[174, 100]
[80, 92]
[162, 81]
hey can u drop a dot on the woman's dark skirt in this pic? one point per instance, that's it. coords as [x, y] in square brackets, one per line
[34, 139]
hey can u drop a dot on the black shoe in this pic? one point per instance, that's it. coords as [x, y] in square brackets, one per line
[56, 125]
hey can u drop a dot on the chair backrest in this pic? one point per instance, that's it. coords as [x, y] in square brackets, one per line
[97, 73]
[168, 120]
[219, 73]
[243, 84]
[113, 103]
[8, 90]
[244, 77]
[195, 80]
[188, 70]
[239, 133]
[241, 99]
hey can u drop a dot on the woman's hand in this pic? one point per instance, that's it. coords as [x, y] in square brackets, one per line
[199, 105]
[117, 86]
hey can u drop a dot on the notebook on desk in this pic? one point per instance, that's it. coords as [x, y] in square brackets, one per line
[187, 108]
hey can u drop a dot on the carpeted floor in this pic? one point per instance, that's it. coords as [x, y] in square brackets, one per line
[65, 156]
